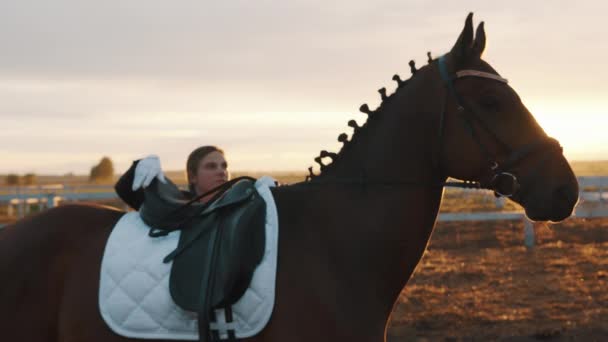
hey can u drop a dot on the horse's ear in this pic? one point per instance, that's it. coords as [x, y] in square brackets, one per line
[480, 41]
[462, 48]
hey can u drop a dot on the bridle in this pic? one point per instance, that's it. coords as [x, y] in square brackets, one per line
[503, 180]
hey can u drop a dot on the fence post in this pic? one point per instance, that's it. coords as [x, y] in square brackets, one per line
[499, 202]
[20, 208]
[19, 202]
[10, 211]
[600, 191]
[50, 200]
[528, 233]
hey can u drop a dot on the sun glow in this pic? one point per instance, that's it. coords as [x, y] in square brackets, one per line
[581, 128]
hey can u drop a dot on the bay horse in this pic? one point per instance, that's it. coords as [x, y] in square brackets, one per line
[350, 236]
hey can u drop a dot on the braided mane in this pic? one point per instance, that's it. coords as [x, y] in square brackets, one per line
[361, 131]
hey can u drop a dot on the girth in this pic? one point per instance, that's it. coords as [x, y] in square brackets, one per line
[220, 245]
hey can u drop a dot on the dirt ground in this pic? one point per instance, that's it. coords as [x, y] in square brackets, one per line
[477, 282]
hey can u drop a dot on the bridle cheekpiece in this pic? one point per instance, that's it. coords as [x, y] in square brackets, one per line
[502, 182]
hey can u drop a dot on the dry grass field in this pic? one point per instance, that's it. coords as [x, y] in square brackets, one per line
[590, 168]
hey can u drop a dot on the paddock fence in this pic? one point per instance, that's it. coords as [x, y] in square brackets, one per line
[20, 201]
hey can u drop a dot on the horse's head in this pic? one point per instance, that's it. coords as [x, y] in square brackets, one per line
[489, 136]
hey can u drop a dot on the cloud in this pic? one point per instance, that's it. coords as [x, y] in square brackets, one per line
[134, 77]
[268, 44]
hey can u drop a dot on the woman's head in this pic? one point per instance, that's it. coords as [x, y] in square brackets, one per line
[206, 168]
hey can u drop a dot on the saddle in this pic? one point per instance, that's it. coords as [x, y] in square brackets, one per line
[220, 245]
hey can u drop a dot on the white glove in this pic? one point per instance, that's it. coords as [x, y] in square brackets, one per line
[146, 170]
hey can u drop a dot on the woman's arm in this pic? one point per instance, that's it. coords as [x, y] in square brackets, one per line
[124, 188]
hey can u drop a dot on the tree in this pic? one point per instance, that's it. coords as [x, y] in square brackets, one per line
[104, 171]
[12, 179]
[29, 179]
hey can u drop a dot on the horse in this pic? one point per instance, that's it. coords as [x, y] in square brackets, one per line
[351, 235]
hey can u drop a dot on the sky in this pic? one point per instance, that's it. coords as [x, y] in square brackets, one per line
[272, 82]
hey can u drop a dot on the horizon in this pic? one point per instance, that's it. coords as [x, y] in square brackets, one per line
[270, 83]
[260, 171]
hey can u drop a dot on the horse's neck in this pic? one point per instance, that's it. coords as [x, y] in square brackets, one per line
[348, 250]
[400, 139]
[377, 237]
[383, 229]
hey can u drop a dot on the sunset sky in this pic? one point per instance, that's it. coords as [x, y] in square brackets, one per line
[272, 82]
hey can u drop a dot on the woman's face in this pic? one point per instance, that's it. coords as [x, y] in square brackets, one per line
[212, 171]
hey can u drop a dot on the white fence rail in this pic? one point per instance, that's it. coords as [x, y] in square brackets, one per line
[593, 190]
[20, 200]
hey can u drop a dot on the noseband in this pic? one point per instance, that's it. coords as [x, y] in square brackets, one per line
[502, 181]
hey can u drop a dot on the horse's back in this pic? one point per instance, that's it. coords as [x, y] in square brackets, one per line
[37, 255]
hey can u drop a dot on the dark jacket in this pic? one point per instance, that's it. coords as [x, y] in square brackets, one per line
[133, 198]
[123, 188]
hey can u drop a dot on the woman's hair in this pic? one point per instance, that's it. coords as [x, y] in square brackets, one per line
[195, 158]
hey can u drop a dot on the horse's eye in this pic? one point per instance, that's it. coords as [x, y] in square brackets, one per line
[489, 102]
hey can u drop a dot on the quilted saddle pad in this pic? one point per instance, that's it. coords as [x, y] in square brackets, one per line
[134, 298]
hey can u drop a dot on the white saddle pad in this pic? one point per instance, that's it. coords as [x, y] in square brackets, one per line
[134, 297]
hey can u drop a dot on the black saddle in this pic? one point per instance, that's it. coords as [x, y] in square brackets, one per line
[220, 245]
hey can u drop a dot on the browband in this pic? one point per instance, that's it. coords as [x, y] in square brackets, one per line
[477, 73]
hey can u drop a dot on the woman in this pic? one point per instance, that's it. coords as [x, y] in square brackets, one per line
[206, 168]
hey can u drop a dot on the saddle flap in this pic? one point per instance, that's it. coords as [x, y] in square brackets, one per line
[219, 252]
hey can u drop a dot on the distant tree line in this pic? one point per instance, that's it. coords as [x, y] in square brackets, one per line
[103, 171]
[15, 179]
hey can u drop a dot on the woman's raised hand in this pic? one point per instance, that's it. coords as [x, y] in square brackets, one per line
[146, 170]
